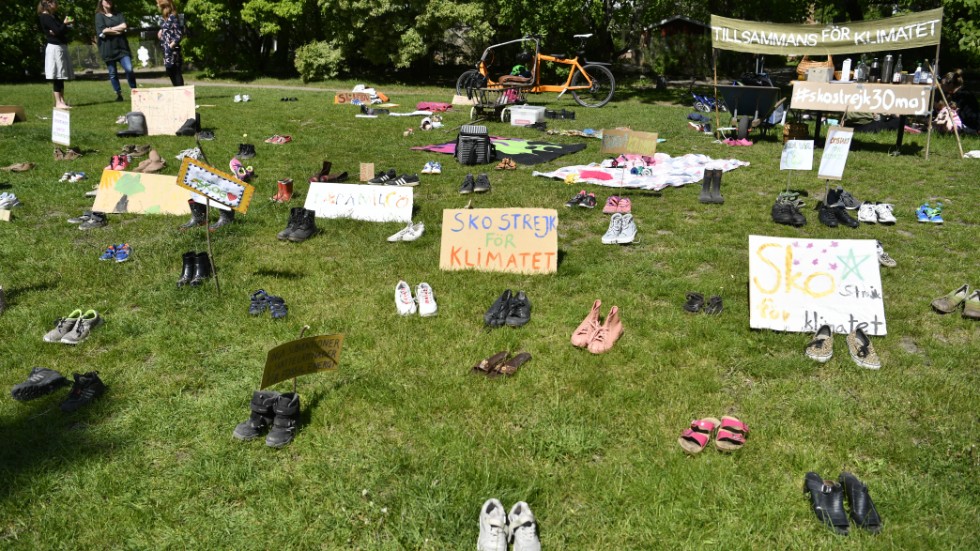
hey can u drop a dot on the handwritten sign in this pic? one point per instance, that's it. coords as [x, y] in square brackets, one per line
[800, 284]
[302, 357]
[136, 192]
[624, 140]
[61, 127]
[797, 155]
[892, 99]
[11, 113]
[835, 152]
[359, 202]
[217, 186]
[347, 97]
[165, 109]
[523, 241]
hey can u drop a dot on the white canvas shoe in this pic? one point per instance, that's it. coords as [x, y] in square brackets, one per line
[403, 299]
[415, 231]
[867, 213]
[400, 236]
[628, 234]
[885, 214]
[523, 528]
[493, 527]
[615, 228]
[426, 300]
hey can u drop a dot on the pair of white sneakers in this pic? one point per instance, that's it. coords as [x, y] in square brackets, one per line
[622, 230]
[498, 529]
[411, 232]
[872, 213]
[424, 301]
[8, 201]
[242, 97]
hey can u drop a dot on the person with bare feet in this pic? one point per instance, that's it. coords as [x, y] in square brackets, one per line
[57, 62]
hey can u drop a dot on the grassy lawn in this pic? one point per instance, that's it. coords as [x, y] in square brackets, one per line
[400, 447]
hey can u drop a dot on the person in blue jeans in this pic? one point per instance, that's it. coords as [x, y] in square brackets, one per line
[113, 46]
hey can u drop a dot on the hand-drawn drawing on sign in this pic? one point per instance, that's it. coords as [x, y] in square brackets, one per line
[165, 109]
[835, 152]
[359, 202]
[141, 193]
[302, 357]
[800, 284]
[215, 185]
[523, 241]
[797, 155]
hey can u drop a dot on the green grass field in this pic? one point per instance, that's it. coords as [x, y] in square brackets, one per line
[400, 446]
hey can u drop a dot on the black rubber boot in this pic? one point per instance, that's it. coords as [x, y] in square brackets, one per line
[827, 501]
[286, 421]
[705, 195]
[199, 215]
[224, 217]
[137, 125]
[295, 215]
[187, 272]
[202, 269]
[305, 227]
[863, 511]
[716, 187]
[262, 415]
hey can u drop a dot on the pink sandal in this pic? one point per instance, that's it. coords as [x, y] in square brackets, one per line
[731, 434]
[694, 439]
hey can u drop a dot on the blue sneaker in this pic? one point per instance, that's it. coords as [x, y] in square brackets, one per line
[936, 214]
[922, 213]
[122, 252]
[109, 253]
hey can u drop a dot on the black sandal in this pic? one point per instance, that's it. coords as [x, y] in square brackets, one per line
[260, 302]
[695, 301]
[277, 307]
[863, 511]
[714, 306]
[827, 501]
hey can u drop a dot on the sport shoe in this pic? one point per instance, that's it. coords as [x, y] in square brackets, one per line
[89, 321]
[122, 252]
[625, 205]
[786, 213]
[405, 180]
[615, 228]
[826, 216]
[843, 218]
[821, 348]
[426, 299]
[400, 235]
[62, 326]
[468, 185]
[861, 349]
[404, 302]
[848, 201]
[922, 213]
[493, 527]
[482, 184]
[427, 169]
[884, 212]
[523, 528]
[87, 387]
[935, 214]
[574, 201]
[79, 219]
[867, 213]
[384, 177]
[589, 202]
[612, 205]
[414, 232]
[40, 382]
[628, 233]
[96, 220]
[109, 254]
[436, 168]
[883, 258]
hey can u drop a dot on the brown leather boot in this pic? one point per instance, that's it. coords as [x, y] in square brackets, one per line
[285, 190]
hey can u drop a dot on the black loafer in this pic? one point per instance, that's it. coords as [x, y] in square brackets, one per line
[827, 501]
[518, 311]
[497, 313]
[863, 511]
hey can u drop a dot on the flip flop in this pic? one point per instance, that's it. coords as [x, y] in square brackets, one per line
[694, 439]
[731, 434]
[488, 365]
[511, 366]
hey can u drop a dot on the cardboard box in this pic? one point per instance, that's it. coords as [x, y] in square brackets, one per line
[523, 115]
[820, 74]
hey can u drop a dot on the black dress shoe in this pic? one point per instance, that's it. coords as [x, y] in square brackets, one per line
[863, 511]
[519, 310]
[840, 213]
[497, 313]
[827, 501]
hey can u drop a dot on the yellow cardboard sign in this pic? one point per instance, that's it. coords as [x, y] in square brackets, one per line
[11, 113]
[137, 192]
[217, 186]
[523, 241]
[302, 357]
[624, 140]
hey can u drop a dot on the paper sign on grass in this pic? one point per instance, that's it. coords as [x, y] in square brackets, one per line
[165, 109]
[359, 202]
[835, 152]
[302, 357]
[11, 113]
[797, 155]
[61, 127]
[217, 186]
[800, 284]
[136, 192]
[624, 140]
[521, 241]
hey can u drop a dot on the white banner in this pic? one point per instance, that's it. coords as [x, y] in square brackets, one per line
[866, 97]
[835, 151]
[360, 202]
[800, 284]
[61, 127]
[797, 155]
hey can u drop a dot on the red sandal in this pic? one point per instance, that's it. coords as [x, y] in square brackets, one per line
[694, 439]
[731, 434]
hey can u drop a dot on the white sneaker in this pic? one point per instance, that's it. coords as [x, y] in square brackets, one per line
[238, 98]
[884, 212]
[403, 299]
[867, 213]
[628, 233]
[493, 527]
[436, 167]
[523, 528]
[427, 300]
[615, 228]
[401, 234]
[427, 169]
[415, 231]
[246, 97]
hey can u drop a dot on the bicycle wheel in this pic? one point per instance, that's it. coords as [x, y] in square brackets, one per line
[464, 80]
[601, 91]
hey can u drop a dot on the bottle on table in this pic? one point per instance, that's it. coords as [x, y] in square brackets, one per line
[845, 71]
[917, 77]
[897, 72]
[886, 68]
[861, 73]
[874, 73]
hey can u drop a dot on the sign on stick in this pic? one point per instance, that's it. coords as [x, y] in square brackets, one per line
[835, 152]
[371, 203]
[136, 192]
[797, 155]
[302, 357]
[217, 186]
[521, 241]
[61, 127]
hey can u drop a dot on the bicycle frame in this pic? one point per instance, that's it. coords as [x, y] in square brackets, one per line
[536, 87]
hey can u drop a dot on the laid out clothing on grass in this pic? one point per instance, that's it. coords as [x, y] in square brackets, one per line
[948, 118]
[110, 26]
[57, 62]
[170, 34]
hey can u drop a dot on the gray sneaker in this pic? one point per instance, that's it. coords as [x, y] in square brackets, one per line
[628, 234]
[611, 236]
[89, 320]
[63, 326]
[848, 201]
[96, 220]
[80, 219]
[482, 184]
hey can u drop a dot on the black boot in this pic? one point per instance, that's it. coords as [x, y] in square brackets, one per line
[199, 215]
[305, 227]
[187, 272]
[119, 96]
[224, 217]
[716, 197]
[705, 195]
[286, 421]
[295, 215]
[202, 269]
[262, 415]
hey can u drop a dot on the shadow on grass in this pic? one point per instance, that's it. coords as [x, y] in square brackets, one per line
[279, 274]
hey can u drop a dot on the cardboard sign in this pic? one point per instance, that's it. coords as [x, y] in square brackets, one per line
[800, 284]
[302, 357]
[624, 140]
[220, 187]
[61, 127]
[11, 113]
[347, 97]
[359, 202]
[797, 155]
[523, 241]
[367, 171]
[835, 152]
[864, 97]
[5, 215]
[120, 192]
[165, 109]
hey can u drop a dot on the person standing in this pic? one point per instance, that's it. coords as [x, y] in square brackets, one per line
[170, 34]
[57, 62]
[113, 46]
